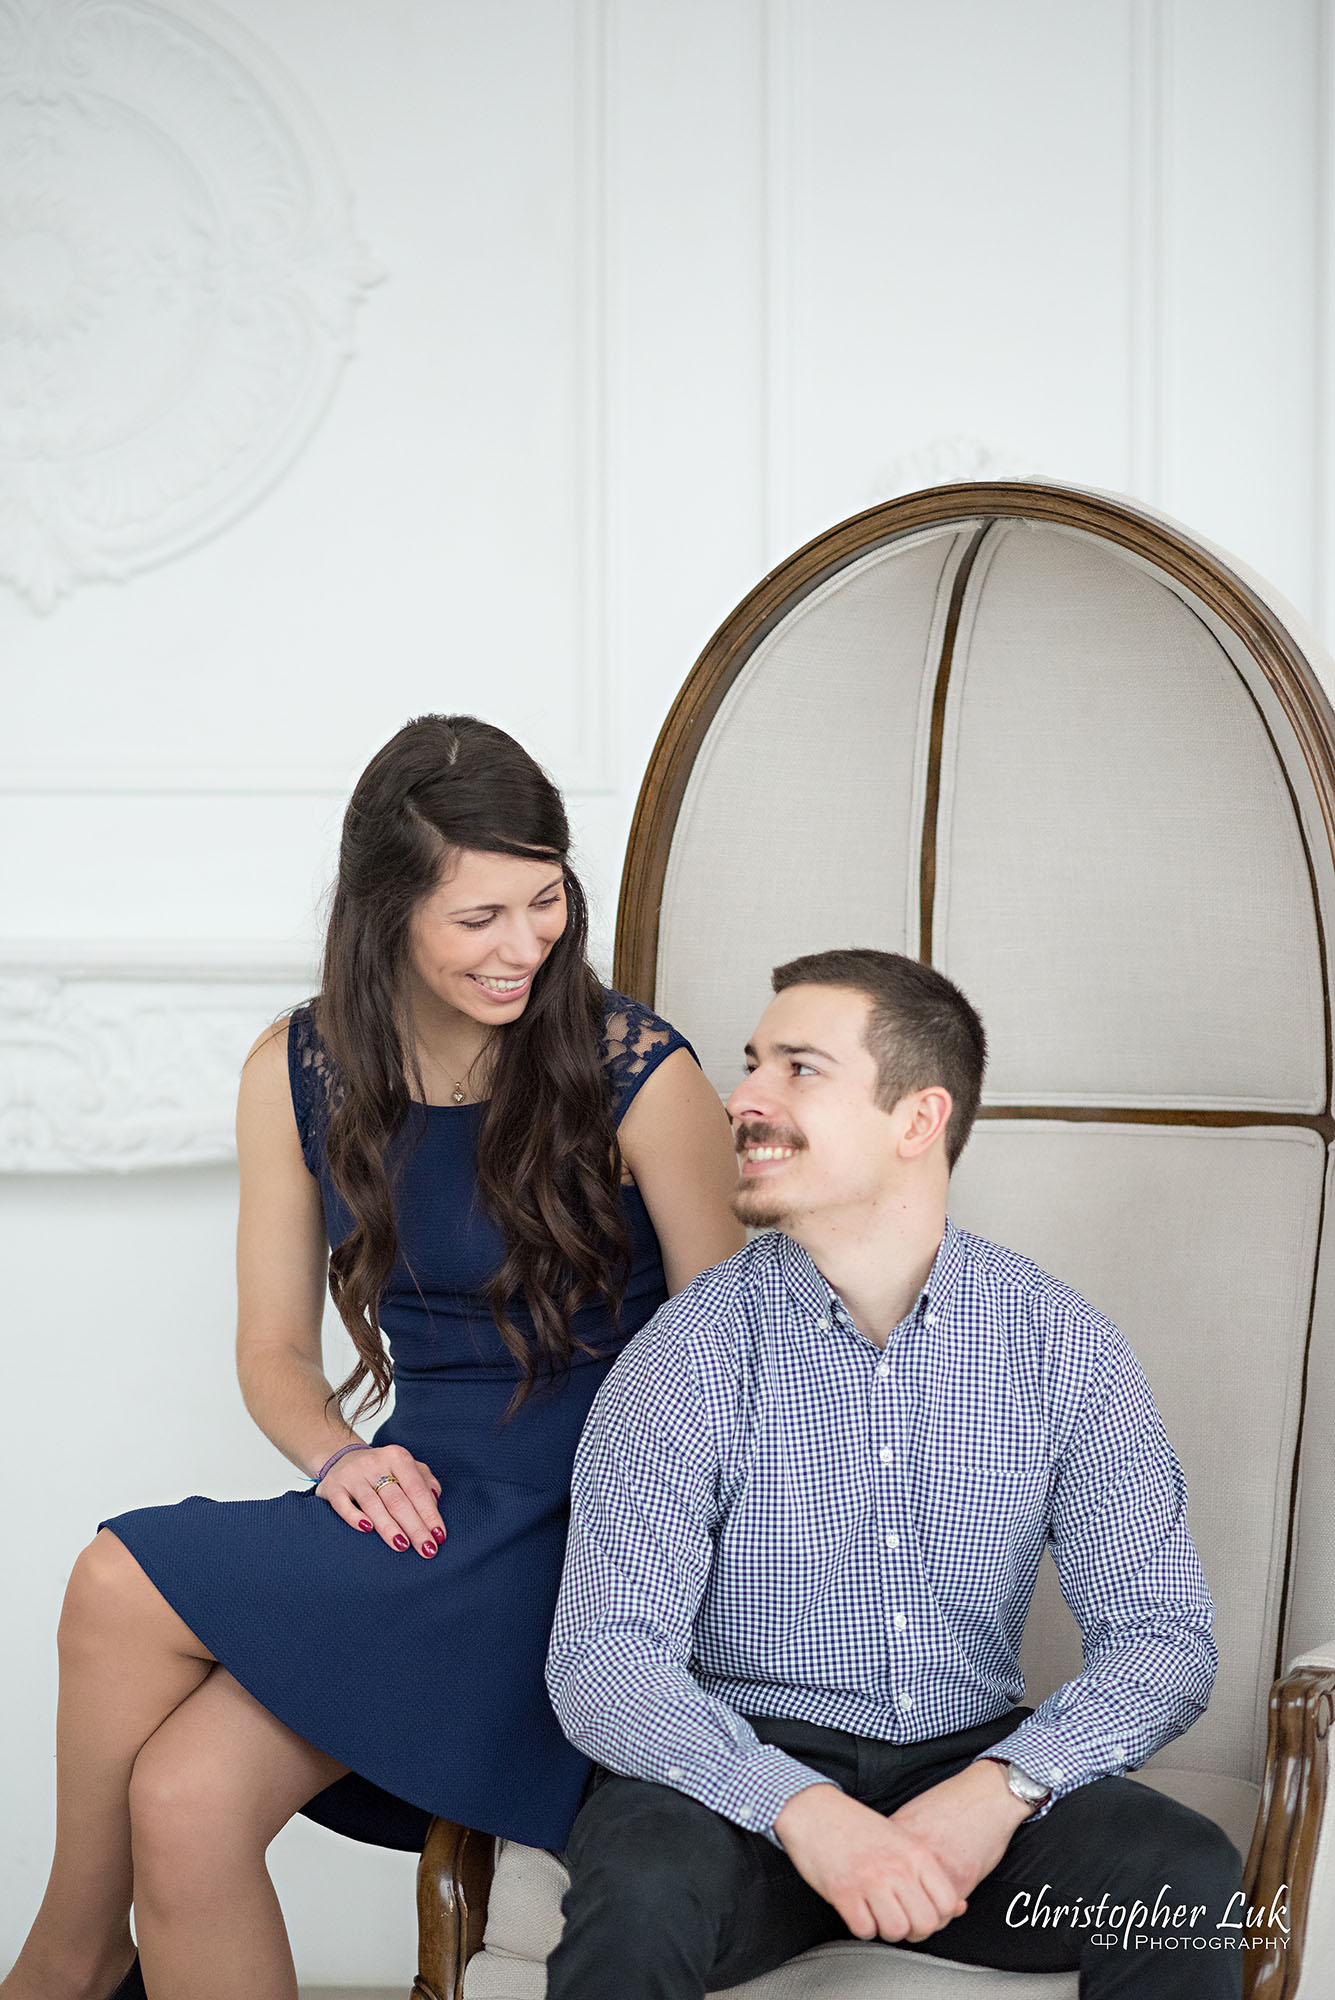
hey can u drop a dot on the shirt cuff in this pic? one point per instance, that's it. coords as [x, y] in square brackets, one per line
[1042, 1756]
[761, 1787]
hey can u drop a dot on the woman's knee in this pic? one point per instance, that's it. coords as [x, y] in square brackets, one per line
[112, 1605]
[106, 1587]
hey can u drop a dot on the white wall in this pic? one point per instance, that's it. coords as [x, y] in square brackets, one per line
[576, 316]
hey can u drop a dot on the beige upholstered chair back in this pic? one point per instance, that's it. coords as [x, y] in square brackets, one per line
[1071, 755]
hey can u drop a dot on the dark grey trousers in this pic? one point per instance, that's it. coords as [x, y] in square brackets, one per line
[669, 1901]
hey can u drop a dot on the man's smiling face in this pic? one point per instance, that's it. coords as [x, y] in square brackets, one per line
[810, 1136]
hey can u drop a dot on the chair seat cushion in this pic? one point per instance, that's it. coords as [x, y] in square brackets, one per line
[524, 1925]
[830, 1972]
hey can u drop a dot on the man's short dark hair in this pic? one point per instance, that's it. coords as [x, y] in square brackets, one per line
[921, 1030]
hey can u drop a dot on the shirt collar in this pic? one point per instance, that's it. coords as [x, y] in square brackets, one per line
[947, 1267]
[809, 1290]
[802, 1281]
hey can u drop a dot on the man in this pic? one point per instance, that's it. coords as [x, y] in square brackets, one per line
[808, 1512]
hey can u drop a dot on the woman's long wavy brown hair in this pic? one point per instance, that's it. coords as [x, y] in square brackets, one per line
[549, 1166]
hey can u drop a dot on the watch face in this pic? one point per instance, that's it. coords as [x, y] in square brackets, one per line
[1025, 1787]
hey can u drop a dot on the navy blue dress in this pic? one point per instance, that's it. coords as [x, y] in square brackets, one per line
[424, 1677]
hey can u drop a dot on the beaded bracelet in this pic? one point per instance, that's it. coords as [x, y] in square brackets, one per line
[343, 1451]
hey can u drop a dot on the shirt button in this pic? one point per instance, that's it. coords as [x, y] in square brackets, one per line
[1119, 1752]
[929, 1319]
[823, 1325]
[1056, 1775]
[906, 1701]
[900, 1621]
[675, 1771]
[886, 1454]
[892, 1539]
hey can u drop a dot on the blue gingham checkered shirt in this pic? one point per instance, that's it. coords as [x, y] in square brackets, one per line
[771, 1516]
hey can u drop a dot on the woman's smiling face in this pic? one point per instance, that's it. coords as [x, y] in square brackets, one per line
[480, 936]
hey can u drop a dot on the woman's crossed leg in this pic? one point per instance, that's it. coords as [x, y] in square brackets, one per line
[170, 1783]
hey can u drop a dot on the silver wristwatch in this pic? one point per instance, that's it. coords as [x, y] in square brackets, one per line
[1022, 1786]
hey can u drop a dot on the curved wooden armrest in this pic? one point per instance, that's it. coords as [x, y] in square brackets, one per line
[1288, 1823]
[453, 1885]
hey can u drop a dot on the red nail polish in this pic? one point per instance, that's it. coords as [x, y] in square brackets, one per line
[400, 1541]
[365, 1527]
[428, 1548]
[439, 1534]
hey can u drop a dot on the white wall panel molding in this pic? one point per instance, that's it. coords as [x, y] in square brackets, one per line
[179, 278]
[1147, 192]
[593, 773]
[1238, 221]
[1323, 512]
[193, 960]
[93, 781]
[70, 780]
[116, 1056]
[776, 314]
[686, 380]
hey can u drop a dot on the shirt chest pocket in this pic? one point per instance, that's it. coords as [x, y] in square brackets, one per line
[981, 1510]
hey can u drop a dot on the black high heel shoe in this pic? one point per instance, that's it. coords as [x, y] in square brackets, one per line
[132, 1986]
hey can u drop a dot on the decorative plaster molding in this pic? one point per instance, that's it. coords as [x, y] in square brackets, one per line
[116, 1057]
[73, 780]
[263, 961]
[178, 283]
[943, 461]
[237, 781]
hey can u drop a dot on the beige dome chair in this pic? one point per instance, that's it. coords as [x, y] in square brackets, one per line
[1081, 761]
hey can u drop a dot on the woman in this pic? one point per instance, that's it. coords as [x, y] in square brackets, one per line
[515, 1168]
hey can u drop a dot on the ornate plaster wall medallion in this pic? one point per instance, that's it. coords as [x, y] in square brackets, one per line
[178, 283]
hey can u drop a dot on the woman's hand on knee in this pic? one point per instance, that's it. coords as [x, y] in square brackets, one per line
[384, 1490]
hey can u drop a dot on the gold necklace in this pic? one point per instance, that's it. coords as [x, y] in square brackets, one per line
[460, 1093]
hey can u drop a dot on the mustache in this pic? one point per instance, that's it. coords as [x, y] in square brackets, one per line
[761, 1133]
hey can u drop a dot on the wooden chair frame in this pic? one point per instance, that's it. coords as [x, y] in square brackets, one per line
[455, 1874]
[453, 1884]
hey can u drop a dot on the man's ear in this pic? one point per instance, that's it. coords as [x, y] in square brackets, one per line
[928, 1113]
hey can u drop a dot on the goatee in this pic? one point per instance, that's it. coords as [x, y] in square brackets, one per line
[758, 1210]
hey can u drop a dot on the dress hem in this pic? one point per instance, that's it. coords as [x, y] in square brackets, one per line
[552, 1835]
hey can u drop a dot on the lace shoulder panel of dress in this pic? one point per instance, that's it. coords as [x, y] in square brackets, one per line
[632, 1039]
[631, 1035]
[321, 1088]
